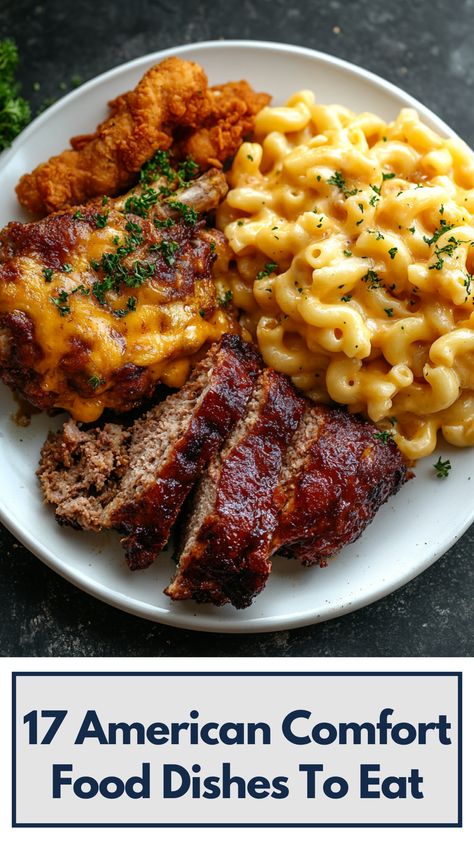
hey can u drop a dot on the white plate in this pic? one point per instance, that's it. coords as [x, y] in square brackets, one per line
[409, 533]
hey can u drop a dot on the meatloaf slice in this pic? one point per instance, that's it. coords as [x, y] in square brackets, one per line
[172, 444]
[336, 474]
[227, 540]
[79, 471]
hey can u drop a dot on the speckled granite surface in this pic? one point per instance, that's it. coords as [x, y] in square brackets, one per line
[424, 47]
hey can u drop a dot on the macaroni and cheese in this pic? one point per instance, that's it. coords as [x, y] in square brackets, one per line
[353, 262]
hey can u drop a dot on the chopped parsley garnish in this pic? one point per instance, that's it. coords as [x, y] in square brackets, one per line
[202, 313]
[78, 215]
[447, 249]
[188, 214]
[101, 219]
[384, 436]
[168, 249]
[226, 298]
[442, 468]
[392, 252]
[48, 275]
[387, 175]
[338, 181]
[241, 222]
[267, 270]
[164, 223]
[61, 302]
[468, 278]
[389, 311]
[67, 267]
[105, 201]
[347, 253]
[131, 306]
[438, 233]
[140, 203]
[346, 297]
[159, 165]
[250, 157]
[95, 381]
[372, 280]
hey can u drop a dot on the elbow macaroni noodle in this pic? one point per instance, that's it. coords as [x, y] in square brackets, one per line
[353, 262]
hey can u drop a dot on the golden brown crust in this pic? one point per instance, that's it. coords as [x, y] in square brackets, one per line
[107, 161]
[171, 105]
[232, 110]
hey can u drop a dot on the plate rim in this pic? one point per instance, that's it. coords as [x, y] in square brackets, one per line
[128, 603]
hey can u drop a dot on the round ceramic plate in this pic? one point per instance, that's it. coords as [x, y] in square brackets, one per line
[410, 532]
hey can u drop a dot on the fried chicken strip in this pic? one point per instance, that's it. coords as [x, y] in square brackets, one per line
[232, 110]
[171, 106]
[107, 162]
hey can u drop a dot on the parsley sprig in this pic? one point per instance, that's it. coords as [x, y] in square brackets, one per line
[267, 270]
[442, 468]
[338, 181]
[14, 110]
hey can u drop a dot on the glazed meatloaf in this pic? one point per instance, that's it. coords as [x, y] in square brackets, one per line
[137, 480]
[271, 472]
[234, 512]
[336, 474]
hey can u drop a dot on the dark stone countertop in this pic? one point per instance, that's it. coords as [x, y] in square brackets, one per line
[426, 48]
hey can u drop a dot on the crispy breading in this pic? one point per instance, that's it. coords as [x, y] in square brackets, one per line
[107, 162]
[232, 110]
[171, 105]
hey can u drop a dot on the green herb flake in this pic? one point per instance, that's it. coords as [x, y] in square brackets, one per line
[188, 214]
[443, 228]
[95, 381]
[338, 181]
[163, 223]
[101, 220]
[267, 270]
[226, 298]
[442, 468]
[168, 249]
[48, 275]
[78, 214]
[387, 175]
[140, 203]
[392, 252]
[388, 311]
[384, 436]
[61, 302]
[347, 253]
[372, 280]
[67, 268]
[346, 298]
